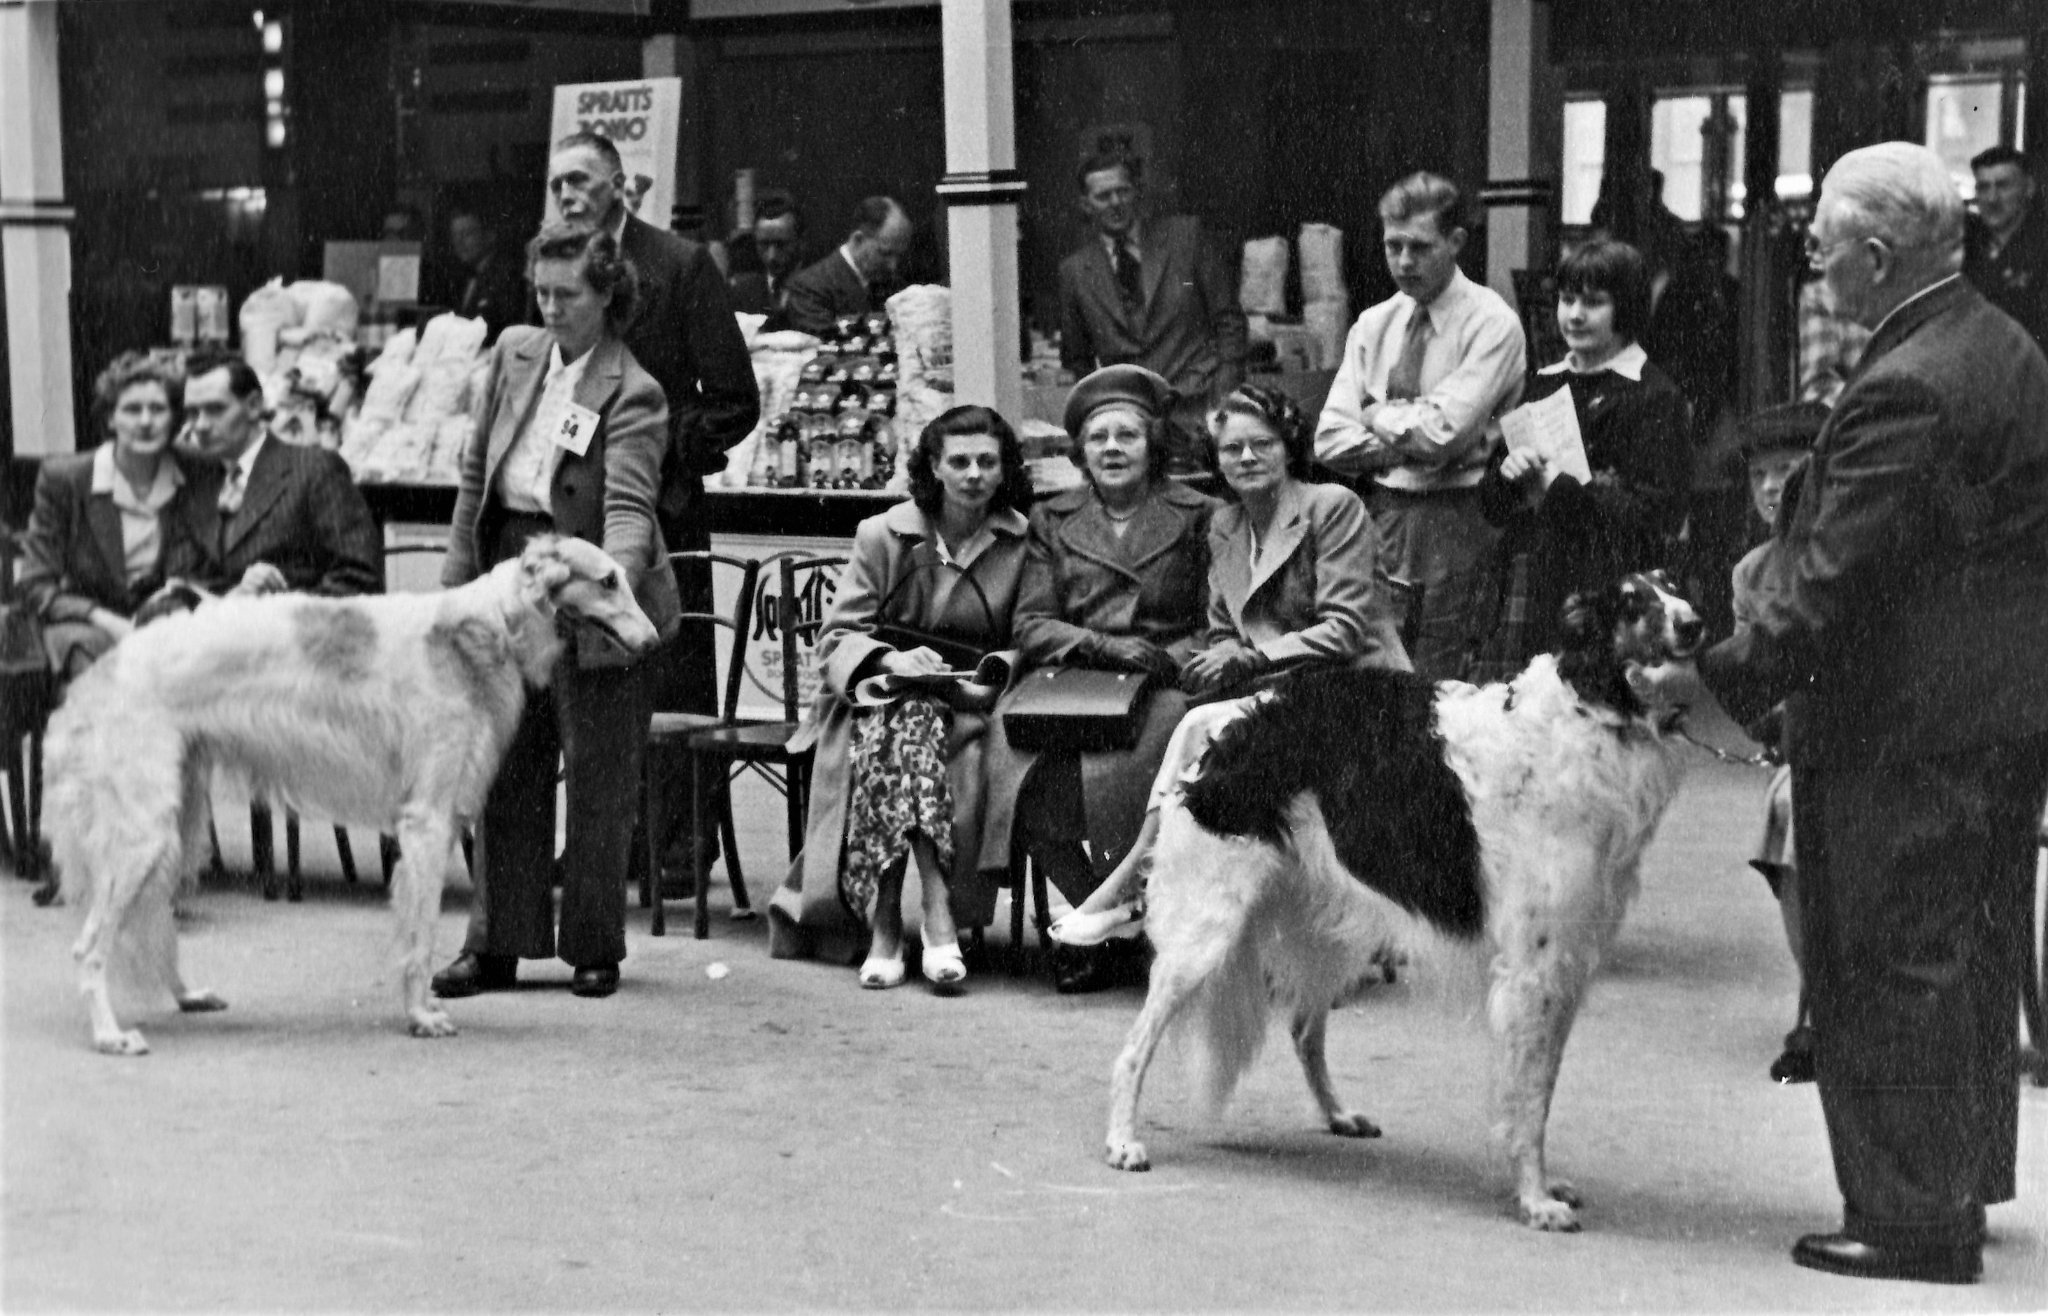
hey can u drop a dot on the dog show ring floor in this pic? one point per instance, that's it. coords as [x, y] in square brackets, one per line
[735, 1133]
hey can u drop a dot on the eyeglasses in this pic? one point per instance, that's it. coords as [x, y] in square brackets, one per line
[1231, 452]
[1818, 252]
[1124, 438]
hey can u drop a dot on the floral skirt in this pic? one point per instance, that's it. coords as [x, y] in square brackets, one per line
[896, 769]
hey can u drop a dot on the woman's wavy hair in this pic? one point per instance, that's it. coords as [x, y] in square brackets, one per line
[605, 269]
[929, 494]
[1269, 406]
[1155, 441]
[125, 372]
[1617, 269]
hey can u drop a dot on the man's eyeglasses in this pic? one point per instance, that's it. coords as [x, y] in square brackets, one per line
[1818, 252]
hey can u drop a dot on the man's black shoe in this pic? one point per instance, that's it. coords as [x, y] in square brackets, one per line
[1838, 1254]
[472, 973]
[595, 980]
[1083, 969]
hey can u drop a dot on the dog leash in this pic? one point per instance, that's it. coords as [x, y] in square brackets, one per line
[1746, 760]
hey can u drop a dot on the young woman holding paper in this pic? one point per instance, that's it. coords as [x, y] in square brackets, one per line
[931, 583]
[1561, 533]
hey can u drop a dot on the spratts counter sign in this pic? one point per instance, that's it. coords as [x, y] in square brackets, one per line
[641, 118]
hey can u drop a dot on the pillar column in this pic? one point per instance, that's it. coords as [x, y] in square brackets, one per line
[980, 191]
[35, 232]
[1525, 113]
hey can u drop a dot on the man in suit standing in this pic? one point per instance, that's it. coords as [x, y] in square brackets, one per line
[289, 518]
[1152, 293]
[1907, 636]
[1415, 410]
[777, 236]
[856, 278]
[682, 333]
[487, 285]
[2006, 255]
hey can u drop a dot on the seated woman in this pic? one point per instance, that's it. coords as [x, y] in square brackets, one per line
[1561, 535]
[112, 525]
[906, 777]
[1115, 576]
[1291, 584]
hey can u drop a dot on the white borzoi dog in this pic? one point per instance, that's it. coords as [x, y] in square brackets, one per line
[391, 712]
[1348, 812]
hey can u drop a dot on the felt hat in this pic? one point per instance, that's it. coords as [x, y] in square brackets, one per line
[1132, 386]
[1776, 429]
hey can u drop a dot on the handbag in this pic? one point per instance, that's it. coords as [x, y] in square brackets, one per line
[959, 653]
[1080, 710]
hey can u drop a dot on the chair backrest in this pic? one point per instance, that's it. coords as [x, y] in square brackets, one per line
[795, 627]
[739, 621]
[417, 548]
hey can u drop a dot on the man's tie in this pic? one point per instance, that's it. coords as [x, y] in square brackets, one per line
[1405, 379]
[231, 491]
[1128, 279]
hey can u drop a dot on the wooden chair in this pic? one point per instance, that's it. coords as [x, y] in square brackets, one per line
[763, 747]
[669, 732]
[26, 697]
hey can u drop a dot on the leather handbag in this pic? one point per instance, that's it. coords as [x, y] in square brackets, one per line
[958, 652]
[1080, 710]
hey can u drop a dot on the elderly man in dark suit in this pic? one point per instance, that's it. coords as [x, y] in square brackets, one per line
[289, 518]
[683, 333]
[1908, 637]
[1152, 293]
[856, 278]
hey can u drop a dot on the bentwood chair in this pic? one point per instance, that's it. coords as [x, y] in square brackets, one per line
[670, 732]
[763, 747]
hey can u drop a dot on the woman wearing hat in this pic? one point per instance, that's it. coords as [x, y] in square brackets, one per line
[1291, 585]
[1115, 576]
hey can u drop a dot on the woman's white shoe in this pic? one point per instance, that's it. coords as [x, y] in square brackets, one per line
[942, 964]
[1080, 929]
[877, 972]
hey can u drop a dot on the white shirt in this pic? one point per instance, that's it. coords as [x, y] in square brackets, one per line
[141, 531]
[1472, 369]
[526, 477]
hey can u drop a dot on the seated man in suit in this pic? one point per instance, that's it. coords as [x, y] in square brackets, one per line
[1152, 293]
[289, 518]
[856, 278]
[487, 285]
[761, 287]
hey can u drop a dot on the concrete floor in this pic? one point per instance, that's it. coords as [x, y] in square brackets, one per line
[772, 1138]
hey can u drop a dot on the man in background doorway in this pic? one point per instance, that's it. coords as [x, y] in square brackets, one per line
[2006, 256]
[488, 285]
[760, 286]
[1151, 293]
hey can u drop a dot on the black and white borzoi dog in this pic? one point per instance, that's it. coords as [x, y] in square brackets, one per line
[392, 712]
[1349, 812]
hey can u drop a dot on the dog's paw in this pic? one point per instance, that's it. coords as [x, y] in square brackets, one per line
[1128, 1156]
[1552, 1215]
[433, 1023]
[129, 1043]
[201, 1001]
[1351, 1124]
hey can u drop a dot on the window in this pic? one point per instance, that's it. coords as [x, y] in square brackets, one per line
[1585, 155]
[1972, 112]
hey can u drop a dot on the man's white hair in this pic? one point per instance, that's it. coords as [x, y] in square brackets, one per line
[1901, 194]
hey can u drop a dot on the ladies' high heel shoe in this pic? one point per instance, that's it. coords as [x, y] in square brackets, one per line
[942, 964]
[1079, 929]
[878, 973]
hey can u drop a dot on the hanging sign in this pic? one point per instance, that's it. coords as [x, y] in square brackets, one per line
[642, 118]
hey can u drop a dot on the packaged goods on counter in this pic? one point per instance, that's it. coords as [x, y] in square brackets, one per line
[826, 412]
[413, 425]
[1263, 288]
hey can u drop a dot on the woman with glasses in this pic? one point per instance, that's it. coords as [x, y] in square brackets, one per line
[1291, 584]
[1559, 534]
[1116, 576]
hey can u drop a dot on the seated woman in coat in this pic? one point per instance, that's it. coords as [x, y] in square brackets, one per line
[905, 778]
[112, 525]
[1115, 576]
[1561, 535]
[1291, 584]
